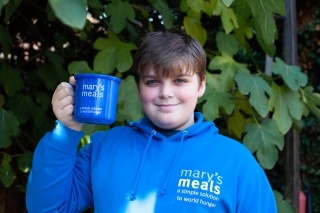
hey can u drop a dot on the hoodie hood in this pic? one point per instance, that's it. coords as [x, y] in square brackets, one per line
[146, 126]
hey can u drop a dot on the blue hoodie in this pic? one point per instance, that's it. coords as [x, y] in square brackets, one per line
[136, 169]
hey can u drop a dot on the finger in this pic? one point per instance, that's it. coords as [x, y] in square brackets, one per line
[72, 80]
[62, 91]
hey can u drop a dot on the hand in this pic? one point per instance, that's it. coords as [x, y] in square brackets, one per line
[63, 104]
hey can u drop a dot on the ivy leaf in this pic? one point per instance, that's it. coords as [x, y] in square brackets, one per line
[312, 100]
[263, 11]
[128, 101]
[25, 161]
[7, 175]
[9, 127]
[194, 28]
[78, 67]
[286, 105]
[264, 139]
[257, 87]
[216, 100]
[165, 11]
[228, 17]
[72, 12]
[11, 79]
[113, 54]
[229, 68]
[227, 43]
[292, 75]
[120, 12]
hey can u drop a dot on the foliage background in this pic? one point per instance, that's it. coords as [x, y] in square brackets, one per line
[44, 42]
[309, 60]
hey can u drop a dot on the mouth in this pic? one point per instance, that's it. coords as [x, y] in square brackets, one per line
[166, 106]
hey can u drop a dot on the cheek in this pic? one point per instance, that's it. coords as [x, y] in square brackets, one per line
[146, 96]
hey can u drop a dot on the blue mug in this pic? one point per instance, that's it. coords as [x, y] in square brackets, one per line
[96, 98]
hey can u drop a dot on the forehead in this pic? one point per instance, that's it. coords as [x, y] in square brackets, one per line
[167, 72]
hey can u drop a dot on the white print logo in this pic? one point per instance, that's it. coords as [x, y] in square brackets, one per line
[195, 186]
[91, 90]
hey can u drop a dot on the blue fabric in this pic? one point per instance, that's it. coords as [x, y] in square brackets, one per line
[201, 171]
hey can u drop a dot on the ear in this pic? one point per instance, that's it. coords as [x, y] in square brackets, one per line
[202, 87]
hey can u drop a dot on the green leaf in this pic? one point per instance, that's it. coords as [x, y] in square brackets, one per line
[25, 161]
[268, 48]
[244, 31]
[5, 40]
[120, 12]
[195, 5]
[227, 43]
[58, 63]
[227, 2]
[241, 115]
[2, 101]
[72, 12]
[10, 78]
[216, 100]
[21, 105]
[77, 67]
[128, 100]
[292, 75]
[257, 87]
[229, 68]
[96, 4]
[7, 175]
[113, 54]
[285, 105]
[8, 127]
[165, 11]
[263, 12]
[194, 28]
[312, 100]
[228, 17]
[43, 100]
[284, 206]
[10, 8]
[264, 139]
[48, 74]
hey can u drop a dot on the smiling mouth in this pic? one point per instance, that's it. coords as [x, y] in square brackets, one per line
[166, 105]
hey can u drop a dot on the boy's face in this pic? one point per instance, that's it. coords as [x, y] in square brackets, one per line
[170, 102]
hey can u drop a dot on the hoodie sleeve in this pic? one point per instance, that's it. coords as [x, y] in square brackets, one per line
[60, 180]
[257, 195]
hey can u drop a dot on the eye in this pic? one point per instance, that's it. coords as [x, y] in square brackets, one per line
[180, 80]
[151, 82]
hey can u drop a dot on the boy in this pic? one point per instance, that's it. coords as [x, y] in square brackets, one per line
[170, 161]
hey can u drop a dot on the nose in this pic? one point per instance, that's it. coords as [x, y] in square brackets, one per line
[166, 90]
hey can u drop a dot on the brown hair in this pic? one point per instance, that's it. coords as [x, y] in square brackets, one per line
[168, 53]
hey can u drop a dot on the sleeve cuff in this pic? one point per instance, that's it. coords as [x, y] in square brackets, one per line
[66, 138]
